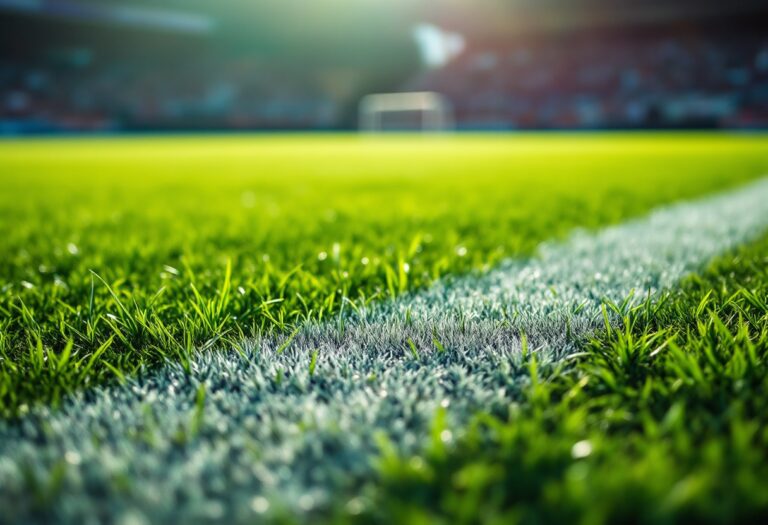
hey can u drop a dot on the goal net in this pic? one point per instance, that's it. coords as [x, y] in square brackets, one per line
[422, 111]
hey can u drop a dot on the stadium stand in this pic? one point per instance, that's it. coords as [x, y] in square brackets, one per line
[76, 73]
[230, 95]
[614, 80]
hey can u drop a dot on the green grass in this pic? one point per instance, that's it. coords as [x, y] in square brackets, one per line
[663, 420]
[119, 253]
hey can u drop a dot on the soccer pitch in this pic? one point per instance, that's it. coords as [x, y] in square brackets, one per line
[400, 329]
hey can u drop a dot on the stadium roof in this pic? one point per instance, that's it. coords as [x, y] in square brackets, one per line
[368, 33]
[328, 17]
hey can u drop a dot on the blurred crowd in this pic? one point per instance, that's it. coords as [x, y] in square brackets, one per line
[66, 95]
[609, 81]
[588, 81]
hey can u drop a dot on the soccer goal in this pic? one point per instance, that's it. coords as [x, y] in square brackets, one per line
[423, 111]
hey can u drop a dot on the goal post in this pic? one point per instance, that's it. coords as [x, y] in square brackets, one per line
[422, 111]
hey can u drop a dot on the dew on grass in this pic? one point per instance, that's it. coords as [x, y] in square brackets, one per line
[72, 457]
[581, 449]
[259, 505]
[355, 506]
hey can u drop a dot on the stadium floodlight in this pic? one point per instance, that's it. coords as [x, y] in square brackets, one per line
[425, 111]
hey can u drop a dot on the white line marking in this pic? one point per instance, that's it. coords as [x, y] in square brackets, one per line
[272, 431]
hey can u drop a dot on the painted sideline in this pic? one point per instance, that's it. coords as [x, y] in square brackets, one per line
[272, 433]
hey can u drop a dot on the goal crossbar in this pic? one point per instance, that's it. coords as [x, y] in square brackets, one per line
[434, 110]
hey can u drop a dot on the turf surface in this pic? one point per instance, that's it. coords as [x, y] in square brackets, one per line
[119, 253]
[375, 418]
[660, 420]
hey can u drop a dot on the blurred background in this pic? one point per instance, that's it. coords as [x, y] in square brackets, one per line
[171, 65]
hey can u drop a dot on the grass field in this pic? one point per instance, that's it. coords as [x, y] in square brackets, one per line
[662, 419]
[121, 255]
